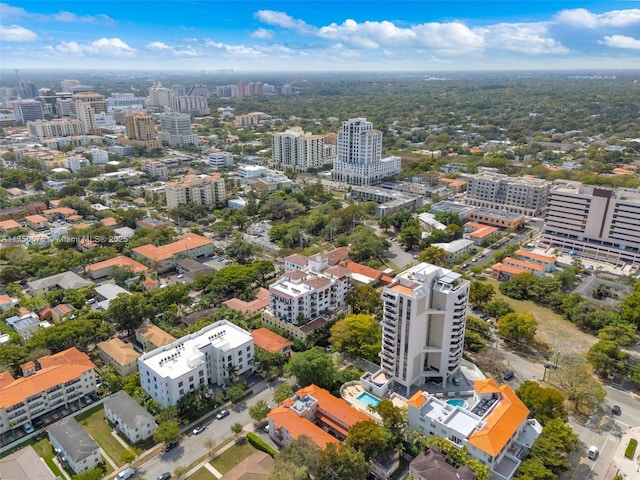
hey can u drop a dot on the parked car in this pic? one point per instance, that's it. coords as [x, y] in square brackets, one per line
[592, 453]
[199, 429]
[164, 476]
[616, 410]
[508, 375]
[171, 445]
[126, 473]
[28, 428]
[223, 413]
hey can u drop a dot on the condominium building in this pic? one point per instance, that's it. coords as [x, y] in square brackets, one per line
[198, 189]
[160, 96]
[207, 357]
[66, 84]
[359, 155]
[58, 127]
[492, 424]
[85, 113]
[221, 160]
[422, 328]
[594, 222]
[521, 195]
[27, 110]
[97, 102]
[192, 105]
[120, 100]
[298, 150]
[142, 130]
[62, 378]
[164, 258]
[176, 129]
[156, 168]
[74, 445]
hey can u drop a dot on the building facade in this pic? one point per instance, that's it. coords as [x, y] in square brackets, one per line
[220, 160]
[192, 105]
[58, 127]
[359, 155]
[176, 129]
[28, 110]
[197, 189]
[524, 196]
[207, 357]
[298, 150]
[594, 222]
[73, 445]
[129, 417]
[141, 130]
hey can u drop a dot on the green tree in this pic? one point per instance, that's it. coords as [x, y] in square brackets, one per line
[167, 431]
[364, 299]
[410, 236]
[339, 460]
[282, 392]
[498, 308]
[393, 418]
[259, 411]
[624, 334]
[367, 437]
[365, 244]
[312, 367]
[242, 250]
[518, 327]
[129, 312]
[607, 357]
[578, 385]
[434, 256]
[359, 336]
[236, 428]
[481, 293]
[554, 444]
[297, 460]
[545, 404]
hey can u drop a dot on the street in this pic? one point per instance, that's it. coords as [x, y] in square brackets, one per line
[193, 447]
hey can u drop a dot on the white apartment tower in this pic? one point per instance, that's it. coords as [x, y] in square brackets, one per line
[176, 129]
[160, 96]
[298, 150]
[524, 196]
[206, 357]
[594, 222]
[423, 326]
[359, 155]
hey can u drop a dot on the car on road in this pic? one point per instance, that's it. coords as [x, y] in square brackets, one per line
[550, 365]
[164, 476]
[171, 445]
[126, 473]
[508, 375]
[199, 429]
[616, 410]
[223, 413]
[592, 453]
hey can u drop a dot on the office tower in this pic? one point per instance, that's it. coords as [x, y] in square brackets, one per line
[193, 105]
[524, 196]
[142, 131]
[66, 85]
[176, 129]
[220, 160]
[28, 110]
[298, 150]
[160, 96]
[198, 189]
[594, 222]
[423, 325]
[28, 90]
[359, 155]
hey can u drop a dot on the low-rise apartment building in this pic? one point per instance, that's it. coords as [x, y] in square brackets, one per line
[119, 354]
[164, 258]
[151, 336]
[63, 378]
[207, 357]
[103, 269]
[73, 445]
[197, 189]
[128, 417]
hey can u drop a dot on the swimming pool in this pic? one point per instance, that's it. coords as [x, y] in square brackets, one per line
[458, 402]
[368, 399]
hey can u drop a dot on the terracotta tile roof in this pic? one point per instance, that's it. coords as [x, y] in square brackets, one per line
[386, 279]
[402, 289]
[149, 283]
[295, 274]
[187, 242]
[80, 226]
[338, 272]
[361, 269]
[155, 335]
[63, 309]
[417, 400]
[297, 259]
[56, 369]
[316, 282]
[501, 267]
[269, 341]
[122, 353]
[502, 422]
[256, 467]
[5, 299]
[119, 261]
[283, 417]
[535, 256]
[337, 255]
[524, 264]
[480, 231]
[260, 302]
[35, 218]
[65, 211]
[109, 222]
[9, 225]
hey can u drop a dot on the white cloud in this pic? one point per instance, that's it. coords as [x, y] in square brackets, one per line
[281, 19]
[178, 51]
[530, 38]
[582, 17]
[16, 33]
[157, 46]
[70, 17]
[111, 47]
[234, 49]
[8, 11]
[621, 41]
[448, 37]
[262, 33]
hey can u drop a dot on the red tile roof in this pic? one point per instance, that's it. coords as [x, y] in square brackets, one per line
[119, 261]
[536, 256]
[188, 241]
[270, 341]
[260, 302]
[361, 269]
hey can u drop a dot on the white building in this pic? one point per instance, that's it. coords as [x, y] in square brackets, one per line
[220, 160]
[103, 120]
[192, 105]
[99, 157]
[76, 447]
[492, 424]
[121, 100]
[298, 150]
[198, 189]
[75, 163]
[156, 168]
[202, 358]
[28, 110]
[58, 127]
[359, 155]
[129, 417]
[251, 171]
[425, 314]
[176, 129]
[160, 96]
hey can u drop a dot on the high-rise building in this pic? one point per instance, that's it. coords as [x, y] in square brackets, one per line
[202, 358]
[179, 89]
[66, 85]
[120, 100]
[28, 110]
[28, 90]
[141, 130]
[199, 90]
[194, 105]
[94, 99]
[86, 114]
[298, 150]
[221, 160]
[424, 318]
[359, 155]
[160, 96]
[58, 127]
[594, 222]
[176, 129]
[198, 189]
[525, 196]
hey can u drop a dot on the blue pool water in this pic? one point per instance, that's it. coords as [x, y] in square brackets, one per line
[458, 402]
[368, 399]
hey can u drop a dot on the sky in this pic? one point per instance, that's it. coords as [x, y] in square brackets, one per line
[307, 35]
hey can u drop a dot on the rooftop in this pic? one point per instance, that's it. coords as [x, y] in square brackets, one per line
[76, 443]
[128, 410]
[269, 341]
[188, 241]
[122, 353]
[260, 302]
[120, 261]
[154, 335]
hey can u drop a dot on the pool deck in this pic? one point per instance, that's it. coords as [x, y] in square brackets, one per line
[351, 393]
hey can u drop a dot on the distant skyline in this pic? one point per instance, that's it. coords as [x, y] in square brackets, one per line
[320, 35]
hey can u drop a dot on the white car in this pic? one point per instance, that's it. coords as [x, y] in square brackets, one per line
[592, 453]
[126, 473]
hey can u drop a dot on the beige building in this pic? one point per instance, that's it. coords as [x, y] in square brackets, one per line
[299, 150]
[58, 127]
[151, 337]
[119, 354]
[141, 130]
[198, 189]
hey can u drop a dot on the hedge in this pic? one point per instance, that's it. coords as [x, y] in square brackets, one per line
[260, 444]
[631, 448]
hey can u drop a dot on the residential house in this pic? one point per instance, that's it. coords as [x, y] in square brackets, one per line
[36, 222]
[119, 354]
[549, 263]
[24, 324]
[456, 249]
[73, 445]
[60, 213]
[502, 272]
[164, 258]
[107, 292]
[8, 225]
[478, 233]
[525, 266]
[431, 465]
[129, 418]
[62, 281]
[103, 269]
[250, 308]
[61, 312]
[271, 342]
[7, 302]
[257, 466]
[313, 412]
[25, 464]
[151, 336]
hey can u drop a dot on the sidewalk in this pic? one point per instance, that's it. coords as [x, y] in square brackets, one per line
[627, 467]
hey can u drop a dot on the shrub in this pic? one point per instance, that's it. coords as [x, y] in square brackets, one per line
[260, 444]
[631, 448]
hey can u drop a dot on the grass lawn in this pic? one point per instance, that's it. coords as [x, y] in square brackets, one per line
[552, 327]
[233, 456]
[202, 474]
[95, 425]
[44, 450]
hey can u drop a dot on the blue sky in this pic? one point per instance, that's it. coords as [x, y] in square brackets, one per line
[320, 35]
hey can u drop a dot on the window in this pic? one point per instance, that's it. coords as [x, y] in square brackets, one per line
[180, 384]
[201, 373]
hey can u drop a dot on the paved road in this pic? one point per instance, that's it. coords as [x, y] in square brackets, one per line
[192, 447]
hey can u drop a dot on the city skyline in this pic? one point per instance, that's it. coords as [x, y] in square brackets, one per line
[320, 36]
